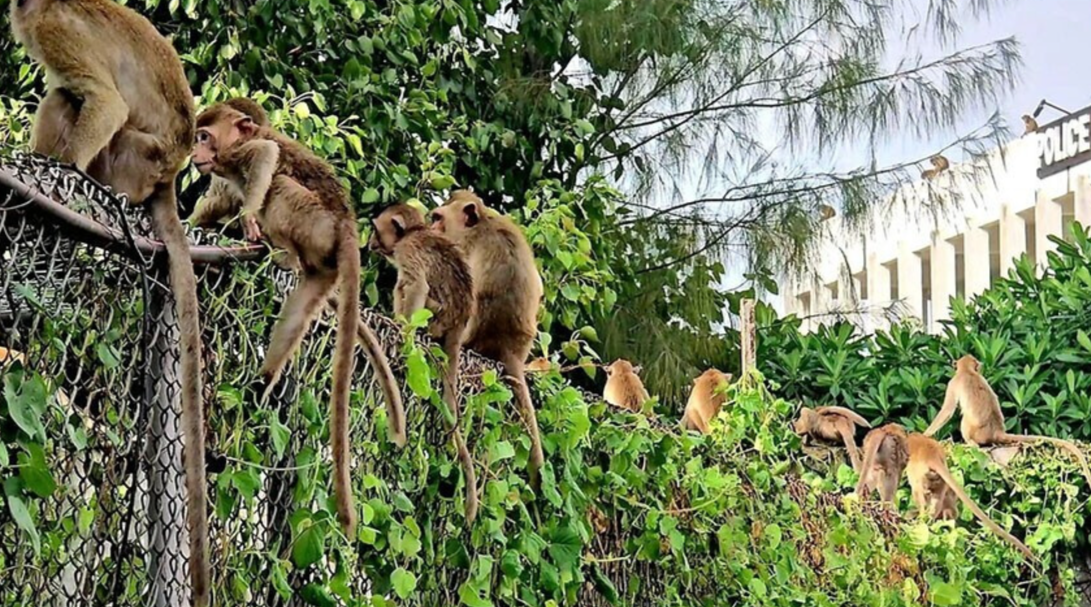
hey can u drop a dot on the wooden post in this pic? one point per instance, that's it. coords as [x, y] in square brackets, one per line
[747, 336]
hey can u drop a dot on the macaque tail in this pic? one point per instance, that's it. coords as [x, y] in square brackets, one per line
[395, 410]
[513, 369]
[1060, 442]
[853, 416]
[348, 318]
[871, 451]
[453, 348]
[168, 228]
[850, 444]
[945, 474]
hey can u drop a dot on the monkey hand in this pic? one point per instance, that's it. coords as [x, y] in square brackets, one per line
[251, 228]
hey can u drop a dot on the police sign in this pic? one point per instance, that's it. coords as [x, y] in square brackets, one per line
[1064, 143]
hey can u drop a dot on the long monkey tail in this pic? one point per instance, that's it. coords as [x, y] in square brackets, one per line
[395, 410]
[847, 435]
[945, 474]
[348, 318]
[513, 369]
[452, 346]
[168, 228]
[1060, 442]
[871, 451]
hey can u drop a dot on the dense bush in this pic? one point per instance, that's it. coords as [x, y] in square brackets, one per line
[1030, 333]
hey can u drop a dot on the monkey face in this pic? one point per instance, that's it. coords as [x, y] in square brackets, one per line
[219, 128]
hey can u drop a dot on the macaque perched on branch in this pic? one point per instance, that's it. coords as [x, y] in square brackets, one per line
[432, 274]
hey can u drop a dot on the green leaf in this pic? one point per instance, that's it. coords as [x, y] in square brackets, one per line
[404, 582]
[943, 593]
[280, 436]
[21, 515]
[308, 547]
[318, 595]
[26, 404]
[418, 374]
[565, 548]
[501, 450]
[473, 596]
[371, 196]
[107, 356]
[442, 182]
[1085, 341]
[247, 481]
[35, 473]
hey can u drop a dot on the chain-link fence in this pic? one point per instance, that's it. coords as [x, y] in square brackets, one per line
[84, 303]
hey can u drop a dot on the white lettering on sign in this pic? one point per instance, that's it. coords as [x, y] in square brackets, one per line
[1064, 140]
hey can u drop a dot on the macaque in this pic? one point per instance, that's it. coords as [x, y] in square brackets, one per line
[295, 199]
[934, 489]
[982, 419]
[432, 274]
[119, 107]
[1030, 125]
[705, 400]
[508, 294]
[885, 458]
[623, 386]
[832, 424]
[939, 165]
[222, 203]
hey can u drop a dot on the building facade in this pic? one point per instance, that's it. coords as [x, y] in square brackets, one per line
[911, 264]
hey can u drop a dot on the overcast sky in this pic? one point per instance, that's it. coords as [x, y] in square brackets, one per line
[1055, 44]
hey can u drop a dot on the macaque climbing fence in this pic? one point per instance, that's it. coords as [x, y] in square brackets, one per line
[85, 307]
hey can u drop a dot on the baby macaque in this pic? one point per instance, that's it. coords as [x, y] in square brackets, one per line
[432, 274]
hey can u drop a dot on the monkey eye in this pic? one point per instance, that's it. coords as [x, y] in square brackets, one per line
[203, 137]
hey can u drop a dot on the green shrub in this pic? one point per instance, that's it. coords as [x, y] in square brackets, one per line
[1030, 333]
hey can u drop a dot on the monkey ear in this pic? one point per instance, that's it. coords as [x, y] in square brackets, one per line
[472, 216]
[246, 124]
[399, 225]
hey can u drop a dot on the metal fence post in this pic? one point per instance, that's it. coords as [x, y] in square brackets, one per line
[168, 537]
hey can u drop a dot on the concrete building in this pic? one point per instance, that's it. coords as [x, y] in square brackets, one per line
[912, 263]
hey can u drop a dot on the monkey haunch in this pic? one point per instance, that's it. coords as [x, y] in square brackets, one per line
[885, 457]
[432, 274]
[297, 200]
[831, 424]
[508, 294]
[118, 106]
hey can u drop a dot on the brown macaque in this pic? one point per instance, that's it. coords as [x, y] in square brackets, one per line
[939, 165]
[705, 400]
[432, 274]
[296, 200]
[1030, 125]
[831, 424]
[222, 203]
[508, 295]
[934, 489]
[982, 420]
[885, 458]
[623, 386]
[119, 107]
